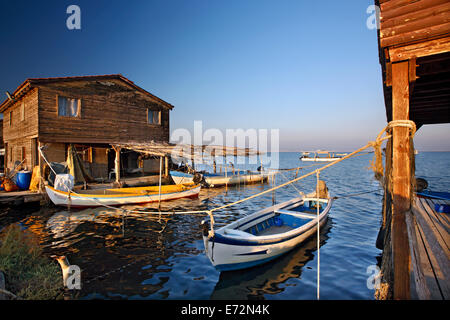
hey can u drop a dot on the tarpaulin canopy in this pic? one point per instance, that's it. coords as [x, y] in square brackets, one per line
[76, 167]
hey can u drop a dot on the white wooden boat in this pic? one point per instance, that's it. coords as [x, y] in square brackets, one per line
[220, 179]
[264, 235]
[317, 156]
[121, 196]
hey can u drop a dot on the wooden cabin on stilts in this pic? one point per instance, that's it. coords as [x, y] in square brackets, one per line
[93, 115]
[414, 50]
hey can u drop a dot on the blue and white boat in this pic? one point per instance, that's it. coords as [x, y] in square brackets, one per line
[266, 234]
[221, 179]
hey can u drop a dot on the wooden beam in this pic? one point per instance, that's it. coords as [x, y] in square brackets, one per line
[117, 163]
[401, 173]
[166, 163]
[41, 167]
[388, 74]
[422, 49]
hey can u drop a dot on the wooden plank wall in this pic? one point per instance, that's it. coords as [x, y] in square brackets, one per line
[109, 113]
[1, 134]
[55, 152]
[23, 128]
[405, 21]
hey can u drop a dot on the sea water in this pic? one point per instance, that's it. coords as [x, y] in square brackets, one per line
[145, 256]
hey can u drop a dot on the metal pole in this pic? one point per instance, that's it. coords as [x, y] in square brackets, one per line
[318, 237]
[226, 177]
[160, 173]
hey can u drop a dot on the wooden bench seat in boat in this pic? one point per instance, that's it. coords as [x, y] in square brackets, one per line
[297, 214]
[238, 233]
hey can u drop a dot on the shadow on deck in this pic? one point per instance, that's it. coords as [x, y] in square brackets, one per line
[428, 233]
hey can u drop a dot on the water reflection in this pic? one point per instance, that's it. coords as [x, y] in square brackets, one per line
[256, 282]
[143, 256]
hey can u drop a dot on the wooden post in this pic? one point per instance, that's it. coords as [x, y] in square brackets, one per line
[117, 163]
[260, 173]
[401, 173]
[41, 169]
[213, 155]
[166, 163]
[193, 158]
[159, 189]
[273, 192]
[226, 181]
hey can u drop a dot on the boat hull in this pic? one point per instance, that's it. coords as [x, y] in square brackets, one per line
[233, 253]
[218, 181]
[182, 178]
[61, 198]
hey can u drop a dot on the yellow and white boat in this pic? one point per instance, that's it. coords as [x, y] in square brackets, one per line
[121, 196]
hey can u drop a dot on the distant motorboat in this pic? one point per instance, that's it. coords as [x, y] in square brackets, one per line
[321, 156]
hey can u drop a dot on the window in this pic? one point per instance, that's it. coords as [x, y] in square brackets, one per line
[10, 118]
[68, 107]
[153, 117]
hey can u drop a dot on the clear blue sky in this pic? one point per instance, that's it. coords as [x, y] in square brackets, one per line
[308, 68]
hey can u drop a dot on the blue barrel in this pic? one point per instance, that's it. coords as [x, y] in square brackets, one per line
[23, 179]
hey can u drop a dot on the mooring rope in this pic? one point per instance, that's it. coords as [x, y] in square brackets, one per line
[356, 194]
[210, 211]
[375, 144]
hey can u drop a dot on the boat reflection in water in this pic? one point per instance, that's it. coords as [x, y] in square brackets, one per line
[254, 283]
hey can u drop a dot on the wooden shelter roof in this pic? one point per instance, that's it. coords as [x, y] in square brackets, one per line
[186, 151]
[418, 31]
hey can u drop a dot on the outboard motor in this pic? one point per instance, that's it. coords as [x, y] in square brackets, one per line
[199, 178]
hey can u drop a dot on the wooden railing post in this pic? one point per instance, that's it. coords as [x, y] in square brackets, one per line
[166, 165]
[401, 174]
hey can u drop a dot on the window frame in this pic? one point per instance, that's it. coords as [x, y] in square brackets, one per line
[159, 117]
[78, 116]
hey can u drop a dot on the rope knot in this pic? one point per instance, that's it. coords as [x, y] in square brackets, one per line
[403, 123]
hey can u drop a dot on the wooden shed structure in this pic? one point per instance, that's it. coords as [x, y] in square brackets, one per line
[414, 51]
[90, 112]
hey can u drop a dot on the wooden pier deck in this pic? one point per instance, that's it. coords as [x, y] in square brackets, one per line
[20, 197]
[428, 233]
[414, 53]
